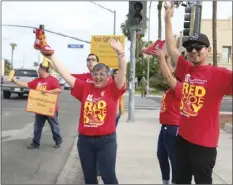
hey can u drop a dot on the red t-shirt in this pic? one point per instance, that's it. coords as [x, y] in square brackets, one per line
[202, 91]
[98, 107]
[48, 83]
[84, 76]
[169, 112]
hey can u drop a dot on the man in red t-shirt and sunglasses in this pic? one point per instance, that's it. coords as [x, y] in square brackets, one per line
[203, 88]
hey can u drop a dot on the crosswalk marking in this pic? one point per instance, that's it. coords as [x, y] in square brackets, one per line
[142, 103]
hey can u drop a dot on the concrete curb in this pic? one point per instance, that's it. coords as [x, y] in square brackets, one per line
[228, 127]
[72, 171]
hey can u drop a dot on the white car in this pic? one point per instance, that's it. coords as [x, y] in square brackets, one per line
[67, 86]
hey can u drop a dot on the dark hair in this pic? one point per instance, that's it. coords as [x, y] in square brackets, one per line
[113, 72]
[92, 54]
[44, 67]
[100, 66]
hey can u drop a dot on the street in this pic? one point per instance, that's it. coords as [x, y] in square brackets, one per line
[39, 166]
[153, 103]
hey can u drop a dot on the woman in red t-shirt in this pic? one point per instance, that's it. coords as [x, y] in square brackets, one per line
[97, 123]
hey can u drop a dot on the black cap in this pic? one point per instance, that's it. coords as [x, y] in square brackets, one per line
[197, 37]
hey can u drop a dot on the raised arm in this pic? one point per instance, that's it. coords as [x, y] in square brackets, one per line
[121, 75]
[167, 74]
[168, 62]
[60, 68]
[171, 47]
[22, 84]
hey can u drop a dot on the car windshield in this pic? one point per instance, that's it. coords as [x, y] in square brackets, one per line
[26, 73]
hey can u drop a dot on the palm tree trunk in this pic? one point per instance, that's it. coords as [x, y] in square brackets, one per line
[159, 7]
[214, 32]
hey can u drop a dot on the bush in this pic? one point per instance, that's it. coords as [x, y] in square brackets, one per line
[159, 83]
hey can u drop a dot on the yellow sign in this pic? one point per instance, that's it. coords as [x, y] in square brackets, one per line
[101, 47]
[11, 75]
[42, 103]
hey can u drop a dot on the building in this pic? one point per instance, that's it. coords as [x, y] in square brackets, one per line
[224, 40]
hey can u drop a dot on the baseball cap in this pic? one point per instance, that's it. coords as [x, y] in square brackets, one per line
[197, 37]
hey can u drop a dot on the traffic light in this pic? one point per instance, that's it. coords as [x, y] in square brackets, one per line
[137, 15]
[187, 21]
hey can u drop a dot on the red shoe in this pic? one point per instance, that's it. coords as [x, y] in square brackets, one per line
[45, 49]
[159, 44]
[38, 33]
[188, 110]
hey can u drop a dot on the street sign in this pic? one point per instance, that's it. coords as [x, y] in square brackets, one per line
[75, 46]
[101, 47]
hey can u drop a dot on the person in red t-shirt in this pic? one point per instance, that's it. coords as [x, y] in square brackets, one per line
[92, 60]
[47, 84]
[97, 123]
[169, 119]
[203, 88]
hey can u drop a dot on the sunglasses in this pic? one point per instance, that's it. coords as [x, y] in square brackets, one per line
[91, 60]
[197, 47]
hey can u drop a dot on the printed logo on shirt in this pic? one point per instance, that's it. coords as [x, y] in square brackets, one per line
[193, 94]
[41, 86]
[95, 111]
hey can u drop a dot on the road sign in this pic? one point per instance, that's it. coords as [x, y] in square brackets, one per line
[75, 46]
[101, 47]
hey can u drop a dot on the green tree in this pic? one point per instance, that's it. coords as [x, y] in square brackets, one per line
[7, 67]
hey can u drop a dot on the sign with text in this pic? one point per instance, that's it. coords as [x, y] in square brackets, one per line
[76, 46]
[41, 103]
[101, 47]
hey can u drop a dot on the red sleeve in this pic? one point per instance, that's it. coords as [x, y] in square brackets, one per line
[182, 68]
[56, 84]
[117, 93]
[32, 84]
[78, 89]
[225, 81]
[178, 90]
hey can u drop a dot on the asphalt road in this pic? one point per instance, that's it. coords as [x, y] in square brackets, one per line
[39, 166]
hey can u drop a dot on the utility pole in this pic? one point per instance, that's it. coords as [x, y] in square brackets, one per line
[114, 22]
[198, 13]
[148, 57]
[132, 76]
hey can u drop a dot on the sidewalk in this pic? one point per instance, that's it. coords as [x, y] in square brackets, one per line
[137, 145]
[136, 157]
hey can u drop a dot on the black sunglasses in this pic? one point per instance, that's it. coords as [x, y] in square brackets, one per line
[91, 59]
[197, 47]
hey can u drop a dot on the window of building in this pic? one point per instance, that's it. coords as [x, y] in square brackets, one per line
[226, 54]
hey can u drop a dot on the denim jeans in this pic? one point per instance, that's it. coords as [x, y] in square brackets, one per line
[166, 151]
[39, 124]
[101, 150]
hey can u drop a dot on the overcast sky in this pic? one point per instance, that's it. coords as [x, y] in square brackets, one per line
[79, 19]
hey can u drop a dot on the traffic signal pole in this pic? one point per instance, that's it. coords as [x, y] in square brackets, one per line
[198, 12]
[132, 76]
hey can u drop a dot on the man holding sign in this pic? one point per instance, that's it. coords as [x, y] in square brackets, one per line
[47, 84]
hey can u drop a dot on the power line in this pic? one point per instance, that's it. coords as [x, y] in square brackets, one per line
[61, 34]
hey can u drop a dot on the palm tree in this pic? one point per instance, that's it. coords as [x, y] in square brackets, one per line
[13, 46]
[159, 7]
[214, 32]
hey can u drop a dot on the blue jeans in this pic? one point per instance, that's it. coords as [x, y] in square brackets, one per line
[39, 124]
[99, 150]
[166, 151]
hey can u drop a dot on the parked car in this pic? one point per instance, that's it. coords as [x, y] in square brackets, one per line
[24, 75]
[67, 86]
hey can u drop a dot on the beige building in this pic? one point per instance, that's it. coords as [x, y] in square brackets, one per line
[224, 40]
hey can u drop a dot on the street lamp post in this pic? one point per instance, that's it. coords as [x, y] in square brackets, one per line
[148, 57]
[114, 15]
